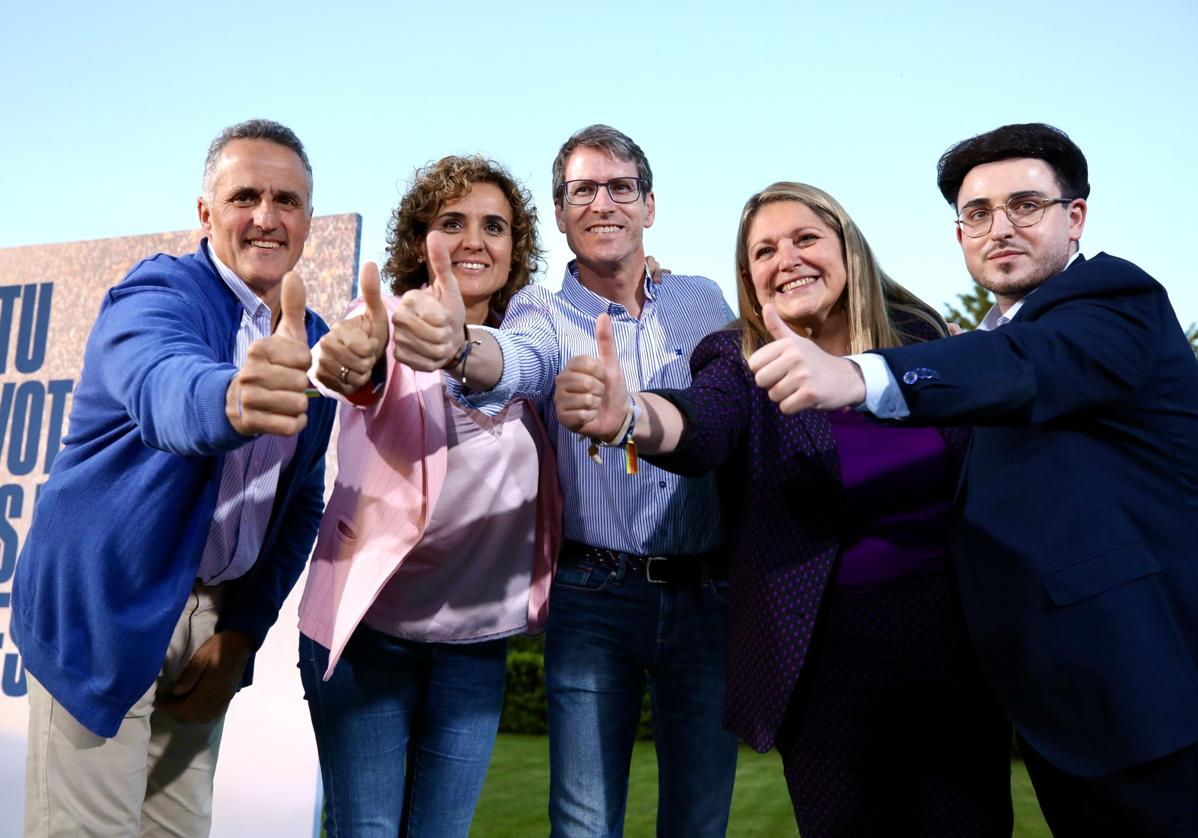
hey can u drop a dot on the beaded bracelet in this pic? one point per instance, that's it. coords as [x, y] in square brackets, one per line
[463, 355]
[621, 439]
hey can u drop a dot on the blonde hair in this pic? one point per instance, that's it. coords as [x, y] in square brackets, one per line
[871, 298]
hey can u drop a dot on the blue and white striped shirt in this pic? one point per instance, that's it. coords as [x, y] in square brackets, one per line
[250, 475]
[650, 513]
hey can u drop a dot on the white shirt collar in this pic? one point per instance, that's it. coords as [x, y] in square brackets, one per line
[250, 301]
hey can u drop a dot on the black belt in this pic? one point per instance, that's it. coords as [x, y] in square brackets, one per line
[694, 568]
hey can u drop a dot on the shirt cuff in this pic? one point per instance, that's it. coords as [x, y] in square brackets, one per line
[883, 397]
[489, 402]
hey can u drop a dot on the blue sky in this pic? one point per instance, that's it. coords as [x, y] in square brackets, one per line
[108, 110]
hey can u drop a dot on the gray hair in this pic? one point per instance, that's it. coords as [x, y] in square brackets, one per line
[616, 143]
[254, 129]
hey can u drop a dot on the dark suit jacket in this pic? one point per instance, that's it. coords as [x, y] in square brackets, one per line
[780, 487]
[1076, 543]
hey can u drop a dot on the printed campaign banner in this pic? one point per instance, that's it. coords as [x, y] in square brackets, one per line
[267, 778]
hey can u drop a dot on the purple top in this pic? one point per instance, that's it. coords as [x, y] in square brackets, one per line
[898, 490]
[783, 495]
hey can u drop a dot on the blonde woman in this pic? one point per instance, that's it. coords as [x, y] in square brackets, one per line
[846, 648]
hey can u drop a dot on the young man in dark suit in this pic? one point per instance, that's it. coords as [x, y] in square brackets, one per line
[1075, 541]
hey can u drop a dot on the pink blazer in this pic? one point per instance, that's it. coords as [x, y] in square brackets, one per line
[391, 462]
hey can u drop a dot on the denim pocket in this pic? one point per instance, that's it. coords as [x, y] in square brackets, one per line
[719, 589]
[581, 577]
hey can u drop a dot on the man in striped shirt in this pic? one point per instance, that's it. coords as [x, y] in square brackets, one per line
[180, 511]
[639, 596]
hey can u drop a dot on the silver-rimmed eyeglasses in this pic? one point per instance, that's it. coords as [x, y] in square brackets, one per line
[1022, 211]
[623, 190]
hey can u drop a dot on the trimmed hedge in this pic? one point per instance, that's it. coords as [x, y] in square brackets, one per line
[524, 706]
[524, 702]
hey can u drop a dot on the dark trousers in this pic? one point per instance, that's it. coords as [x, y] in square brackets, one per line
[891, 730]
[1158, 798]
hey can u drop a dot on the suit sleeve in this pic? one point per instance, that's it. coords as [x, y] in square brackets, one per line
[1078, 353]
[714, 407]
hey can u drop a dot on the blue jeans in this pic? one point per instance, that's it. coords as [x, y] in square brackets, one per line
[404, 731]
[607, 638]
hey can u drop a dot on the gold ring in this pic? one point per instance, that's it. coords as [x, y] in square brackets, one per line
[343, 376]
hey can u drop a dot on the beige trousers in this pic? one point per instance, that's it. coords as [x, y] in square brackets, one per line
[153, 778]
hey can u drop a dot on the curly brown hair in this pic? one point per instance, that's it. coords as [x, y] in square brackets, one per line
[435, 184]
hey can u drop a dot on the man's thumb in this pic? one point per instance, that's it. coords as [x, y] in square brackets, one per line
[773, 322]
[606, 342]
[292, 302]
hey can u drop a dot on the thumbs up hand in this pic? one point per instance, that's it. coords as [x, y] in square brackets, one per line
[430, 321]
[292, 303]
[590, 396]
[445, 282]
[349, 352]
[799, 375]
[266, 396]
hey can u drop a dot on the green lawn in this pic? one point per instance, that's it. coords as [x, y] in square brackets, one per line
[515, 797]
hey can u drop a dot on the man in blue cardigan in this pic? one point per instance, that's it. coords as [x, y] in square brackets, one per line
[1074, 539]
[180, 511]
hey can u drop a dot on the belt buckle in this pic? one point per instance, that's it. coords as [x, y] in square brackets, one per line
[649, 562]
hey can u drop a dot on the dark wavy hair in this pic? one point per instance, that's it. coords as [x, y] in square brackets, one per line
[434, 185]
[1029, 139]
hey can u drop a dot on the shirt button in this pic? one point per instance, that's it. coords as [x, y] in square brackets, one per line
[662, 484]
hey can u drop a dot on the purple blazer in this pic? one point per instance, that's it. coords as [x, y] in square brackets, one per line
[780, 486]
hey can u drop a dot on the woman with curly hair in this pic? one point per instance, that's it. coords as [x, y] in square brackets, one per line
[439, 540]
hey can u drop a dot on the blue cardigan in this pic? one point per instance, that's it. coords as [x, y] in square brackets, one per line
[121, 524]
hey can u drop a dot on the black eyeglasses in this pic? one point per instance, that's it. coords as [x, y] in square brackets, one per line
[623, 190]
[1022, 211]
